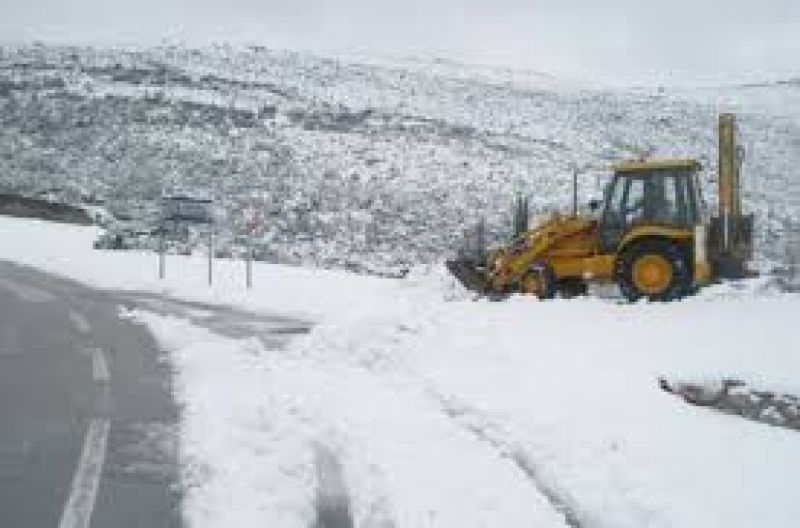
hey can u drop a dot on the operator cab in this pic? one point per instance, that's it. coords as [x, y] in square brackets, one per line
[662, 193]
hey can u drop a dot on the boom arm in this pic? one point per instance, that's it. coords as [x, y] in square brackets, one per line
[731, 239]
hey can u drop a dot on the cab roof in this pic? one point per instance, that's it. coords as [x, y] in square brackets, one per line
[655, 165]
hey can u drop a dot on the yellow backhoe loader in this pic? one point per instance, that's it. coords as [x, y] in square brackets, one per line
[652, 236]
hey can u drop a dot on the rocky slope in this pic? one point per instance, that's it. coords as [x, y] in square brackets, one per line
[370, 165]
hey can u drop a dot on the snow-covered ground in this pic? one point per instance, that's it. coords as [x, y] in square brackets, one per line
[418, 406]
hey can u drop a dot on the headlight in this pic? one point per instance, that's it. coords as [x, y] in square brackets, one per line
[519, 246]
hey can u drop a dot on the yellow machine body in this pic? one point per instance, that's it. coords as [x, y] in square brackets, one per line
[570, 247]
[653, 236]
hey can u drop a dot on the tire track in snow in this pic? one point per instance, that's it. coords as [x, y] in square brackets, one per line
[332, 502]
[477, 427]
[482, 429]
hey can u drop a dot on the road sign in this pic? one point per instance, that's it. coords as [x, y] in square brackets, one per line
[189, 209]
[254, 220]
[186, 209]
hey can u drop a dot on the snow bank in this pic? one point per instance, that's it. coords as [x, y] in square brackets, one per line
[245, 463]
[304, 292]
[253, 420]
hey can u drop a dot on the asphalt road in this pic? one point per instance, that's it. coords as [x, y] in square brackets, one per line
[87, 418]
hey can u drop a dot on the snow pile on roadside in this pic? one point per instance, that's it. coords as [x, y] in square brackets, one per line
[477, 413]
[438, 410]
[245, 463]
[304, 292]
[254, 421]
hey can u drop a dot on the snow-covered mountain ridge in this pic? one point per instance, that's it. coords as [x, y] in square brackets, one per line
[363, 164]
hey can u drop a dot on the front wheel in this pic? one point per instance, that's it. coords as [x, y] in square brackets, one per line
[572, 287]
[653, 269]
[539, 281]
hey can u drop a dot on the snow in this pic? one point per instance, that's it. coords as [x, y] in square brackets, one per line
[281, 406]
[244, 463]
[586, 407]
[301, 292]
[431, 408]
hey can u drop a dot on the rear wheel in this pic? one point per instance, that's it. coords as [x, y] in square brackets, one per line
[653, 269]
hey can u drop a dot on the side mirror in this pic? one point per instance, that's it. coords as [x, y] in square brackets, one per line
[594, 205]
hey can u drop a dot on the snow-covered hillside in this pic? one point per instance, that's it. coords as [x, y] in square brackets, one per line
[366, 164]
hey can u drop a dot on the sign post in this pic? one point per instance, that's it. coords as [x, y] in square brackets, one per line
[162, 250]
[184, 209]
[210, 253]
[254, 222]
[249, 265]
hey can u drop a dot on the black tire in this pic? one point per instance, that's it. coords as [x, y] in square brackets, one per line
[681, 280]
[572, 287]
[544, 273]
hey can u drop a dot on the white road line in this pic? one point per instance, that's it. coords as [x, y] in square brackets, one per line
[26, 292]
[100, 371]
[9, 343]
[83, 492]
[80, 322]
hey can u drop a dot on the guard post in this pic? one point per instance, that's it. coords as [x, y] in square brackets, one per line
[186, 209]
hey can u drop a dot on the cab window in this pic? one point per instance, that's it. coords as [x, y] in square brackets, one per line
[663, 197]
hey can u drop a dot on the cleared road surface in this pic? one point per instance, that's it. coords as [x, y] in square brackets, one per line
[87, 419]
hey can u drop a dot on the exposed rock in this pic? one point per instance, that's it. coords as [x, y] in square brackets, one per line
[735, 397]
[24, 207]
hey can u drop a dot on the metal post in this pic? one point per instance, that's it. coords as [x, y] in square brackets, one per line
[575, 192]
[727, 178]
[210, 253]
[249, 263]
[726, 231]
[162, 264]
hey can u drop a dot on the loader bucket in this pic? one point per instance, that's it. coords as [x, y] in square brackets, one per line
[470, 274]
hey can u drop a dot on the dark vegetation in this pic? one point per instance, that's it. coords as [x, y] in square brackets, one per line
[24, 207]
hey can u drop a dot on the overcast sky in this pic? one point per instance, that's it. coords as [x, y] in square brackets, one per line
[605, 37]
